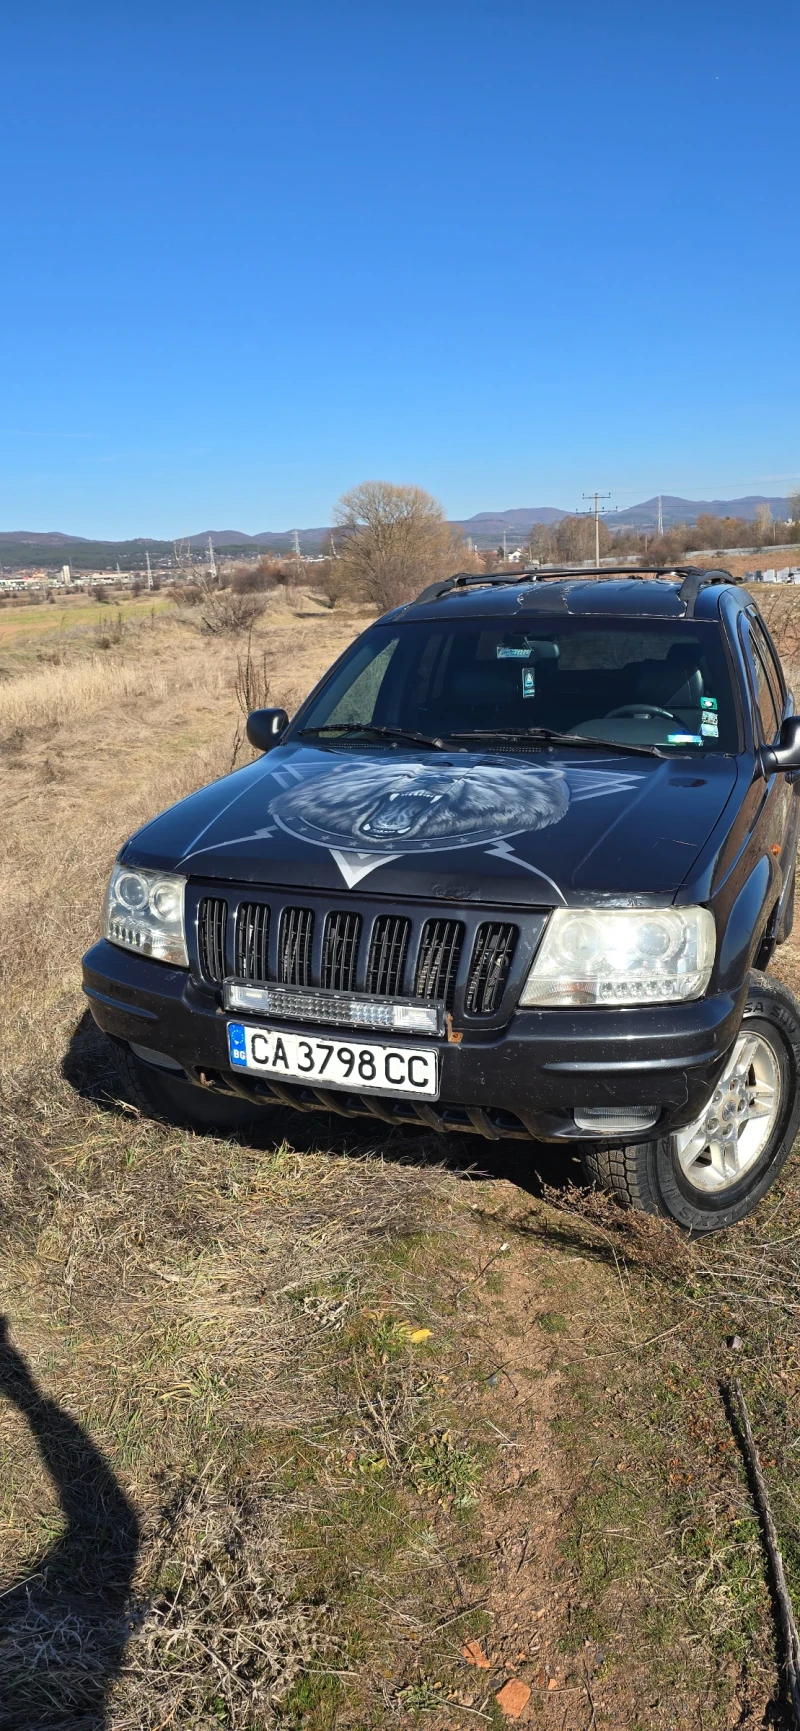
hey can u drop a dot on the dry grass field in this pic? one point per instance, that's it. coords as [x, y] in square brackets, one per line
[333, 1427]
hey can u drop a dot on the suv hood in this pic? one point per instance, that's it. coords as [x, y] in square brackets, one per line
[538, 828]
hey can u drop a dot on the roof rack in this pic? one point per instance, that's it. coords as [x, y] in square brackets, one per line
[694, 578]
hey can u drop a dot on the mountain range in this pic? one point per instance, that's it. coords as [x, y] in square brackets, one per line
[486, 529]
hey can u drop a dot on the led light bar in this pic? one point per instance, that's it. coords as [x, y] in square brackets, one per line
[400, 1015]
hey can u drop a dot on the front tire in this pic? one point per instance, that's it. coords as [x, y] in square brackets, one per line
[715, 1172]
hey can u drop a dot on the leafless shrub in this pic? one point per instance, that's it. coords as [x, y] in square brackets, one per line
[186, 594]
[225, 612]
[643, 1239]
[228, 614]
[258, 577]
[111, 637]
[332, 582]
[252, 680]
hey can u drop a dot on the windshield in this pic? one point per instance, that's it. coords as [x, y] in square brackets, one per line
[661, 683]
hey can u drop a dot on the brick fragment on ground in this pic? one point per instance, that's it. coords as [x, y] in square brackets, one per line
[513, 1698]
[474, 1655]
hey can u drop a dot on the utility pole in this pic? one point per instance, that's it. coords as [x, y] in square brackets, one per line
[505, 549]
[660, 518]
[298, 560]
[149, 572]
[596, 514]
[212, 565]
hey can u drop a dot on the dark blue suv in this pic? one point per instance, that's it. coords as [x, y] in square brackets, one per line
[516, 867]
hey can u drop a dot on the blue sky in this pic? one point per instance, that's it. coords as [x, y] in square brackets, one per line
[256, 253]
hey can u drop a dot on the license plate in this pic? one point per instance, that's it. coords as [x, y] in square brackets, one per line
[351, 1064]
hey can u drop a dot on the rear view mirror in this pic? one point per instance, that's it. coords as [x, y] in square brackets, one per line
[265, 726]
[786, 754]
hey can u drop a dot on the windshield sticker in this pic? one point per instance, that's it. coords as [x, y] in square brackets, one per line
[709, 727]
[508, 652]
[528, 682]
[708, 703]
[684, 739]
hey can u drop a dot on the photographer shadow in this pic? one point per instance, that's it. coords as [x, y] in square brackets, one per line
[65, 1621]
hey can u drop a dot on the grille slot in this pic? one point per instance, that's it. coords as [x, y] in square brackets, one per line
[491, 959]
[387, 954]
[212, 924]
[439, 955]
[252, 939]
[340, 951]
[294, 946]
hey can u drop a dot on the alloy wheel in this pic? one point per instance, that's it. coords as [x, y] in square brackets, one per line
[732, 1132]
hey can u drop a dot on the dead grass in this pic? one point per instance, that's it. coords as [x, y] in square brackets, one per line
[364, 1408]
[57, 696]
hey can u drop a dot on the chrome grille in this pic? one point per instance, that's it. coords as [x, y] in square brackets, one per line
[252, 939]
[439, 954]
[491, 960]
[340, 951]
[294, 946]
[212, 923]
[387, 954]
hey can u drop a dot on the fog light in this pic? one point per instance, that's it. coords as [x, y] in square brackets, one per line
[615, 1120]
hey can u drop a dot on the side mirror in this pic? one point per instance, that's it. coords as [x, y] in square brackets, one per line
[265, 726]
[786, 754]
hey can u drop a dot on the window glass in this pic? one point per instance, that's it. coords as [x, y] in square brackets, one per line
[774, 669]
[355, 689]
[767, 706]
[654, 682]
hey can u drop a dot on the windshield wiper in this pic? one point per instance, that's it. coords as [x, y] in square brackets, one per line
[553, 737]
[350, 727]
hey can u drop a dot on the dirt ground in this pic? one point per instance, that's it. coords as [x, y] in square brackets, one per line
[319, 1427]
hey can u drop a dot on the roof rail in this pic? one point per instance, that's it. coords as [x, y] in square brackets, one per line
[697, 579]
[694, 578]
[473, 579]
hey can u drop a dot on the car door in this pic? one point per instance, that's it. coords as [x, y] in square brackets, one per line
[781, 810]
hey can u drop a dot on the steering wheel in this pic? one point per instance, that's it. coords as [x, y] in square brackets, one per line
[640, 712]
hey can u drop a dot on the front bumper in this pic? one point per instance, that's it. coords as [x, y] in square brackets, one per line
[525, 1079]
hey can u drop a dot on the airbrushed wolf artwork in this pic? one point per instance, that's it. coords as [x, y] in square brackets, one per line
[516, 867]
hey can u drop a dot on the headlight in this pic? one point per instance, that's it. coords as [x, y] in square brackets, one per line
[636, 956]
[144, 912]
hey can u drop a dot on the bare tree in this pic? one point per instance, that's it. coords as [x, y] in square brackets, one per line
[541, 544]
[763, 523]
[396, 540]
[573, 538]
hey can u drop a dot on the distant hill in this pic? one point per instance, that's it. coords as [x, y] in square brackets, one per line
[311, 540]
[522, 518]
[46, 538]
[676, 510]
[51, 548]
